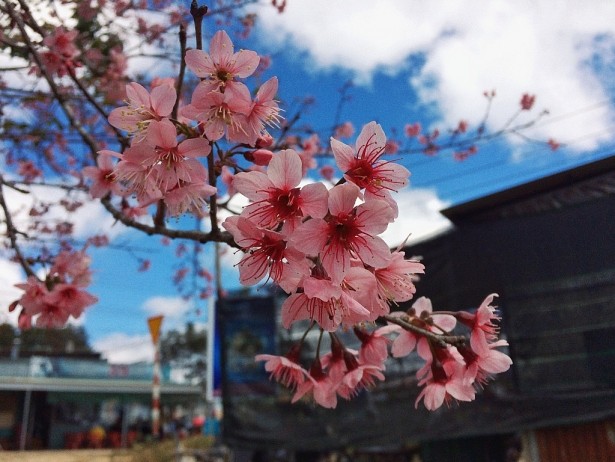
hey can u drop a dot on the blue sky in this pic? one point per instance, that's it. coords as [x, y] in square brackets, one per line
[409, 62]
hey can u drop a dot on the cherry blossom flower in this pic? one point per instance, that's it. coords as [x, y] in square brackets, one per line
[285, 370]
[222, 113]
[62, 42]
[228, 178]
[102, 177]
[276, 196]
[374, 346]
[265, 109]
[421, 314]
[73, 266]
[173, 162]
[345, 130]
[347, 232]
[34, 293]
[329, 303]
[260, 157]
[188, 197]
[319, 386]
[134, 172]
[143, 107]
[412, 130]
[483, 324]
[267, 252]
[68, 298]
[363, 165]
[221, 66]
[444, 383]
[396, 279]
[527, 101]
[327, 172]
[481, 366]
[358, 376]
[61, 295]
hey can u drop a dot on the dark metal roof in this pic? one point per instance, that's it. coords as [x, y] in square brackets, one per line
[573, 186]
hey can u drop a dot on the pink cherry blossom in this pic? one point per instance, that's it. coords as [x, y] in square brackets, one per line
[228, 179]
[102, 177]
[267, 253]
[276, 196]
[363, 166]
[443, 380]
[420, 315]
[285, 370]
[396, 279]
[345, 130]
[329, 303]
[347, 232]
[134, 173]
[32, 300]
[73, 266]
[265, 109]
[69, 298]
[175, 163]
[221, 65]
[358, 377]
[188, 198]
[319, 386]
[483, 324]
[481, 366]
[222, 113]
[260, 157]
[374, 347]
[143, 107]
[62, 42]
[412, 130]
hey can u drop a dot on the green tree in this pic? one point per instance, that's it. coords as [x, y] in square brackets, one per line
[187, 349]
[68, 339]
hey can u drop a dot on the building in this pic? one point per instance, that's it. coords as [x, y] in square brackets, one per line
[548, 249]
[54, 401]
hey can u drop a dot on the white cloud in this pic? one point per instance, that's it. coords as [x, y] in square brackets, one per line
[171, 308]
[120, 348]
[89, 219]
[10, 274]
[469, 47]
[419, 216]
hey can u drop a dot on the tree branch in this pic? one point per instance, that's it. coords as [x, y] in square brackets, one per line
[440, 340]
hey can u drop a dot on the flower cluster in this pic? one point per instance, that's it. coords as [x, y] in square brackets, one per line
[221, 103]
[323, 246]
[61, 54]
[162, 162]
[61, 295]
[341, 373]
[320, 245]
[450, 372]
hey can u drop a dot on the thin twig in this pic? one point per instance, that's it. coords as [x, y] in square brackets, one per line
[440, 340]
[182, 69]
[12, 232]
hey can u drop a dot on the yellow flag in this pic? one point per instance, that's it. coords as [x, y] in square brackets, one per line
[154, 324]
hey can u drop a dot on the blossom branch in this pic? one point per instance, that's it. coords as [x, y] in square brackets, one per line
[440, 340]
[182, 69]
[12, 233]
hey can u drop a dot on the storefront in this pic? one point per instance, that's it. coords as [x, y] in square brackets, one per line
[58, 409]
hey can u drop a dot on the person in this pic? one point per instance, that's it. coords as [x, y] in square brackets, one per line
[96, 437]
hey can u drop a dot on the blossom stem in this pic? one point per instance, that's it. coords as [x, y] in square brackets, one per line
[12, 232]
[440, 340]
[182, 69]
[198, 13]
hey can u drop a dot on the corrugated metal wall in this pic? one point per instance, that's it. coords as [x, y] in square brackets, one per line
[594, 442]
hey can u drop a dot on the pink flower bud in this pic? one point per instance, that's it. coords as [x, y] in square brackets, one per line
[261, 157]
